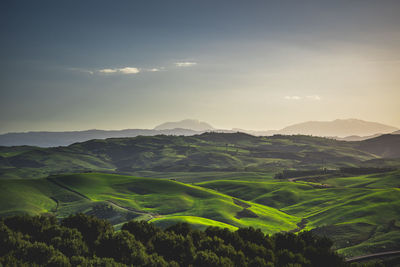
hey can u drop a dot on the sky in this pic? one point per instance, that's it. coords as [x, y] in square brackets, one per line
[262, 65]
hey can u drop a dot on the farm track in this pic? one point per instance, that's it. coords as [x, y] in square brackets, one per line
[152, 215]
[374, 255]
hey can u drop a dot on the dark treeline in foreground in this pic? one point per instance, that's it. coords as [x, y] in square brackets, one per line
[82, 240]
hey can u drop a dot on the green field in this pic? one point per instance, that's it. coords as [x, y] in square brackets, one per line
[360, 213]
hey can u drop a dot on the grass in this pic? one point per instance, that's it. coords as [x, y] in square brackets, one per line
[163, 200]
[356, 208]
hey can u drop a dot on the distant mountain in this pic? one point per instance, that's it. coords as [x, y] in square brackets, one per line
[53, 139]
[344, 130]
[338, 128]
[356, 137]
[194, 125]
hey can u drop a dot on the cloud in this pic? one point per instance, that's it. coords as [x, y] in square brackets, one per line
[129, 70]
[293, 97]
[309, 97]
[154, 69]
[185, 64]
[314, 97]
[81, 70]
[125, 70]
[108, 70]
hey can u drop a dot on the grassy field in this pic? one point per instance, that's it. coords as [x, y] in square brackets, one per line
[360, 213]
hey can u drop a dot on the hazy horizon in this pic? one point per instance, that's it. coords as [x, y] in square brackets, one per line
[257, 65]
[215, 127]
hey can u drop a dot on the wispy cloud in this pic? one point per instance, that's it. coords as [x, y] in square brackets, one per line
[309, 97]
[293, 97]
[185, 64]
[154, 69]
[313, 97]
[131, 70]
[81, 70]
[108, 71]
[125, 70]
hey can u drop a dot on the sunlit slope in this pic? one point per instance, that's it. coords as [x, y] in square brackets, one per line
[361, 213]
[26, 196]
[169, 199]
[160, 200]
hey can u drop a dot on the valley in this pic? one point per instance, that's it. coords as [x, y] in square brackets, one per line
[348, 191]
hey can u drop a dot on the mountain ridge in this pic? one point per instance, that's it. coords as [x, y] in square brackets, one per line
[193, 127]
[191, 124]
[338, 128]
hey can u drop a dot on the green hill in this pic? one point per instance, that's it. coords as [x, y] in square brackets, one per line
[118, 198]
[361, 214]
[362, 210]
[346, 190]
[221, 152]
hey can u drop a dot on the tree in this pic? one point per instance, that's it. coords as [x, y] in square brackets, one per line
[90, 227]
[142, 230]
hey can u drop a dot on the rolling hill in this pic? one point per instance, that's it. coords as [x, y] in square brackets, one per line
[359, 212]
[54, 139]
[346, 190]
[229, 152]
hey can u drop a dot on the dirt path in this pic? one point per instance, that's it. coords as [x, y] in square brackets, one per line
[374, 255]
[152, 215]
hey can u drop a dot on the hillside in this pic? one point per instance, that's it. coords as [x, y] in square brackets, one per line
[346, 190]
[54, 139]
[160, 201]
[386, 146]
[359, 209]
[229, 152]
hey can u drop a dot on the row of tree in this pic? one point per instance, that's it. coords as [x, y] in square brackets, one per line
[82, 240]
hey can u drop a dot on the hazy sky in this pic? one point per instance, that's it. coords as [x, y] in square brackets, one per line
[71, 65]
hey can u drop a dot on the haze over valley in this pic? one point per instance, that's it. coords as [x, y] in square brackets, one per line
[347, 130]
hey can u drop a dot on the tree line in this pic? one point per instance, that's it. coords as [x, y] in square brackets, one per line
[82, 240]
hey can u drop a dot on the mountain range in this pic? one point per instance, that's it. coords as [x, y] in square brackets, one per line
[345, 130]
